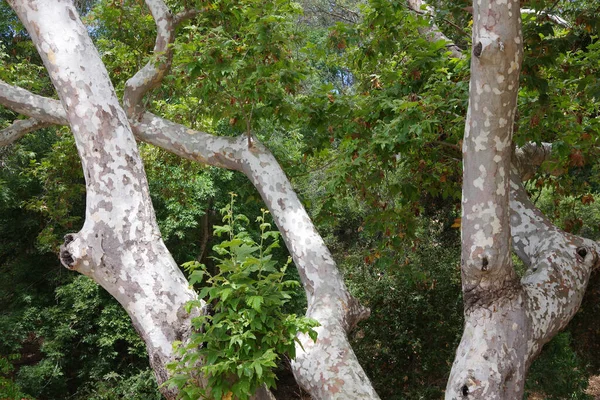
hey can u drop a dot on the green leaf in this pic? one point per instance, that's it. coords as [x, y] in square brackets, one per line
[255, 302]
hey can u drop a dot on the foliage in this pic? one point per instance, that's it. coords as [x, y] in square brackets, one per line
[246, 331]
[558, 373]
[8, 389]
[239, 54]
[410, 296]
[365, 115]
[84, 337]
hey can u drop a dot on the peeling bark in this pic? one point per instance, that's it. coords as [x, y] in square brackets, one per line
[559, 266]
[24, 102]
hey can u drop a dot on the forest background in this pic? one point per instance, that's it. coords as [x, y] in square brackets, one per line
[366, 117]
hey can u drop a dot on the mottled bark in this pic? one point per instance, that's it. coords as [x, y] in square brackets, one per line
[559, 265]
[24, 102]
[327, 369]
[119, 246]
[507, 321]
[490, 360]
[20, 128]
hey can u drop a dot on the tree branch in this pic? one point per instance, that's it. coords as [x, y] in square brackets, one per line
[530, 157]
[559, 265]
[20, 128]
[552, 17]
[328, 298]
[184, 16]
[151, 75]
[490, 360]
[34, 106]
[433, 32]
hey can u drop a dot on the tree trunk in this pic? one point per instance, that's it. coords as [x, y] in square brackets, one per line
[119, 246]
[507, 321]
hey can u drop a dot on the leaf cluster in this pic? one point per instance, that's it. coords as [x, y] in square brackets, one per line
[246, 331]
[241, 56]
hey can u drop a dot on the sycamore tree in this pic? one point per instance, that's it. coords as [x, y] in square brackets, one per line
[507, 318]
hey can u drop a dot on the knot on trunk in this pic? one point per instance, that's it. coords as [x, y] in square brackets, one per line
[587, 255]
[66, 257]
[73, 253]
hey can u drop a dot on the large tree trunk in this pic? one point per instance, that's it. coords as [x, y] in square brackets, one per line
[119, 246]
[507, 320]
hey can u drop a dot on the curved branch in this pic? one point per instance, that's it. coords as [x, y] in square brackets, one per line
[151, 75]
[20, 128]
[328, 298]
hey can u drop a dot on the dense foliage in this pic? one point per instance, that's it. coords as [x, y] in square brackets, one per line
[247, 330]
[366, 116]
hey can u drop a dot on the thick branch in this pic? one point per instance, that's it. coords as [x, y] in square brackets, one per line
[34, 106]
[328, 299]
[559, 266]
[184, 16]
[20, 128]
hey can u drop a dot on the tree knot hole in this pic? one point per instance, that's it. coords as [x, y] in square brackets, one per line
[477, 49]
[581, 253]
[465, 390]
[484, 264]
[68, 239]
[67, 259]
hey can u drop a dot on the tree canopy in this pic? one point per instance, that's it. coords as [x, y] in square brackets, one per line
[363, 105]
